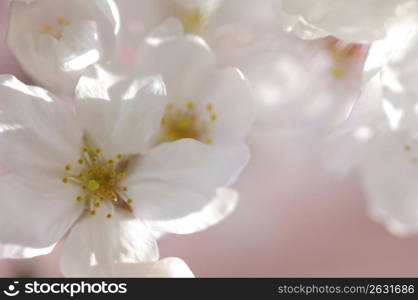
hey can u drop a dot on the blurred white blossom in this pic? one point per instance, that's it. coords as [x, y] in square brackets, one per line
[380, 140]
[353, 20]
[55, 40]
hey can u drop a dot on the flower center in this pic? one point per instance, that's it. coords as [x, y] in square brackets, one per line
[414, 158]
[194, 20]
[55, 30]
[99, 180]
[342, 53]
[187, 122]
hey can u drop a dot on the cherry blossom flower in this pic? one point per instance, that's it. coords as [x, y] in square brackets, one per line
[101, 171]
[304, 86]
[207, 103]
[380, 142]
[295, 83]
[55, 47]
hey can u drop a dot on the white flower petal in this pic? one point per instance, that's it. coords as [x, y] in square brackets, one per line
[389, 175]
[35, 217]
[17, 252]
[229, 93]
[193, 60]
[79, 47]
[138, 19]
[171, 267]
[97, 244]
[239, 22]
[179, 178]
[168, 29]
[347, 146]
[38, 133]
[54, 59]
[121, 116]
[189, 162]
[220, 207]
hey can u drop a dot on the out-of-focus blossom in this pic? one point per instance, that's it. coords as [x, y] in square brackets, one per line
[354, 20]
[380, 140]
[55, 40]
[209, 104]
[223, 24]
[171, 267]
[297, 85]
[98, 172]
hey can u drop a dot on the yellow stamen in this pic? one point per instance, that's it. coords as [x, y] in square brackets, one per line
[100, 181]
[190, 105]
[184, 123]
[46, 29]
[338, 72]
[62, 22]
[93, 185]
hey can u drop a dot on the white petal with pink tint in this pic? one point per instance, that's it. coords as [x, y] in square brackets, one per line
[171, 267]
[55, 48]
[102, 243]
[41, 129]
[36, 217]
[179, 179]
[121, 115]
[18, 252]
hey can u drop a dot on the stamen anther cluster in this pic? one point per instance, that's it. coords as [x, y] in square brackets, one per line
[187, 123]
[99, 180]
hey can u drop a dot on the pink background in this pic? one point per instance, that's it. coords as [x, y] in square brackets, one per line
[294, 219]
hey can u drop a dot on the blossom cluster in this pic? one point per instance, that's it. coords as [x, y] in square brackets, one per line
[134, 118]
